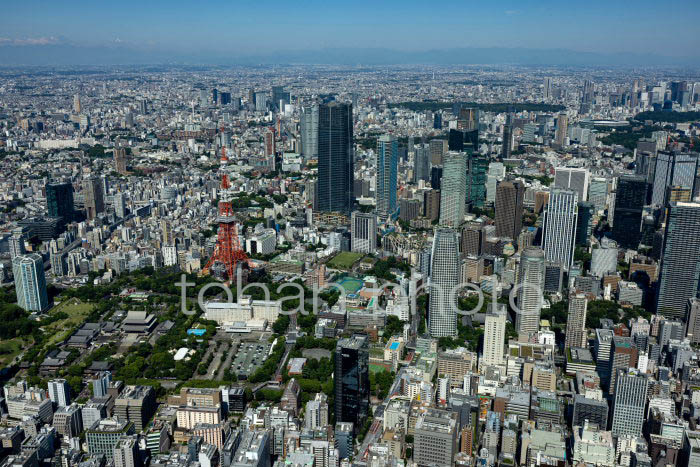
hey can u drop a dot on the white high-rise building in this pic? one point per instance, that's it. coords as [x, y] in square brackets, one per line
[16, 243]
[494, 338]
[120, 205]
[453, 189]
[531, 288]
[125, 453]
[364, 232]
[30, 282]
[444, 276]
[387, 162]
[317, 412]
[59, 392]
[573, 178]
[169, 255]
[598, 192]
[100, 384]
[630, 400]
[604, 259]
[496, 173]
[559, 227]
[309, 132]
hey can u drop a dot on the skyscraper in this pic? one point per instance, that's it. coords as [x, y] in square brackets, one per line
[662, 173]
[630, 400]
[692, 327]
[476, 181]
[387, 175]
[584, 226]
[453, 189]
[680, 260]
[685, 169]
[94, 197]
[120, 160]
[623, 354]
[100, 384]
[120, 205]
[672, 169]
[509, 209]
[59, 392]
[629, 205]
[576, 321]
[309, 132]
[77, 107]
[437, 121]
[598, 192]
[352, 380]
[204, 98]
[507, 146]
[279, 97]
[421, 170]
[16, 244]
[30, 282]
[562, 130]
[468, 118]
[472, 241]
[494, 337]
[335, 157]
[547, 91]
[438, 147]
[59, 200]
[573, 178]
[317, 412]
[560, 227]
[436, 176]
[436, 437]
[261, 98]
[269, 138]
[496, 174]
[444, 276]
[364, 232]
[530, 293]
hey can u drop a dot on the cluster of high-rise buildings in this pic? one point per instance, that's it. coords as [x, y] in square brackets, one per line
[543, 246]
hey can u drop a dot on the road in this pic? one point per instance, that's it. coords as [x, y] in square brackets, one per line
[375, 429]
[214, 365]
[227, 363]
[287, 348]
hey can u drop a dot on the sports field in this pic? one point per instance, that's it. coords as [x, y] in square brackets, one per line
[344, 260]
[350, 284]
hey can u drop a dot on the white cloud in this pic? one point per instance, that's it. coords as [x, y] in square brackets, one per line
[29, 41]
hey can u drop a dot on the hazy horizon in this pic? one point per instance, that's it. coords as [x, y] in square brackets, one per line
[219, 32]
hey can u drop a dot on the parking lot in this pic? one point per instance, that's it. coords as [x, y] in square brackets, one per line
[249, 357]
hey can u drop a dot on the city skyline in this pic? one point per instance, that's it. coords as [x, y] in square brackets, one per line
[276, 263]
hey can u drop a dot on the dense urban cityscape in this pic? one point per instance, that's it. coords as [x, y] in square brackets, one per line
[330, 265]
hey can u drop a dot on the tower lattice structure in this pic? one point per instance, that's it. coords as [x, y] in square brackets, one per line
[228, 251]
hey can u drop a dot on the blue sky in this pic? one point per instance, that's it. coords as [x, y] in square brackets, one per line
[246, 27]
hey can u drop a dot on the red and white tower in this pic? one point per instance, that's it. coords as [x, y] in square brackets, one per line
[228, 253]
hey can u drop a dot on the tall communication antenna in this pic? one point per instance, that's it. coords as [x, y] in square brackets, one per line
[228, 254]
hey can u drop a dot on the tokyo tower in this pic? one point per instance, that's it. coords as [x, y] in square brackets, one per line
[228, 253]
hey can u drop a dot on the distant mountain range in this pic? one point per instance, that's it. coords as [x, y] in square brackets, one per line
[67, 54]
